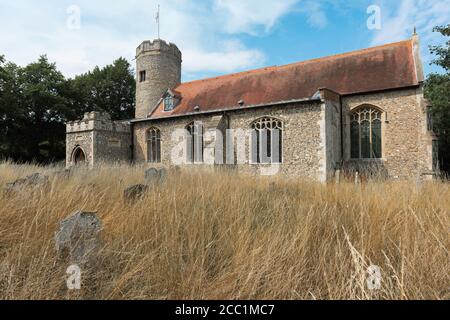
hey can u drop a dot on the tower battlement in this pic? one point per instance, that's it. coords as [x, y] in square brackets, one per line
[158, 68]
[97, 139]
[97, 121]
[158, 45]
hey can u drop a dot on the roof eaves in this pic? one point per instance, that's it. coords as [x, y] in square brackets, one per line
[412, 86]
[236, 108]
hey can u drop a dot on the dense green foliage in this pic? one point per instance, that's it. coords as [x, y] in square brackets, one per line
[36, 100]
[437, 91]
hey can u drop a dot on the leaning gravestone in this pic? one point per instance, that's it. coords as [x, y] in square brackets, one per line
[36, 178]
[151, 176]
[78, 237]
[63, 174]
[134, 193]
[155, 176]
[31, 181]
[162, 175]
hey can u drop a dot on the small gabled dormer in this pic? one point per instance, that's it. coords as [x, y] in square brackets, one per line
[170, 100]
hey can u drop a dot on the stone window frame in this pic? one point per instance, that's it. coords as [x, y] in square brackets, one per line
[153, 138]
[260, 124]
[195, 144]
[142, 76]
[382, 117]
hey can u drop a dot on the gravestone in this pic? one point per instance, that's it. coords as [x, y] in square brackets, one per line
[78, 237]
[162, 175]
[63, 174]
[31, 181]
[155, 176]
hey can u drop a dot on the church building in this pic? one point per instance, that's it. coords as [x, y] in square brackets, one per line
[362, 110]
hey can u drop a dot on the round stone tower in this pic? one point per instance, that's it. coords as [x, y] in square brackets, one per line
[158, 68]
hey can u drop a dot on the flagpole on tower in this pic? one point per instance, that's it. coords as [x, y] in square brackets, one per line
[157, 21]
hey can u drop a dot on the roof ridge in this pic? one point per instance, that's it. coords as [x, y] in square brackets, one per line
[276, 67]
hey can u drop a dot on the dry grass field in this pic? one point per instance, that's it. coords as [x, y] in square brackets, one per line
[220, 236]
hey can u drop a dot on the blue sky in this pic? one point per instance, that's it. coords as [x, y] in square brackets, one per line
[215, 36]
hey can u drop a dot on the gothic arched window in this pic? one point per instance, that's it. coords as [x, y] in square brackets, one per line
[194, 141]
[154, 145]
[365, 133]
[267, 141]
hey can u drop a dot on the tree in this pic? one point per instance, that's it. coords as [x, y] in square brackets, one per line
[37, 100]
[11, 115]
[437, 91]
[111, 89]
[42, 90]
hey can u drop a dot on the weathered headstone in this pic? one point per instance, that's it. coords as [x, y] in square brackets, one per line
[134, 193]
[78, 238]
[162, 175]
[63, 174]
[151, 176]
[34, 180]
[155, 176]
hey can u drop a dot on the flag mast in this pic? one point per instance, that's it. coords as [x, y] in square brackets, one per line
[157, 21]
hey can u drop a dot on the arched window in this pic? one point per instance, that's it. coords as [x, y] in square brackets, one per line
[154, 145]
[365, 133]
[194, 142]
[267, 141]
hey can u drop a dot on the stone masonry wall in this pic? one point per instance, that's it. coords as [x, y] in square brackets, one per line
[112, 147]
[162, 63]
[301, 136]
[101, 139]
[83, 140]
[406, 143]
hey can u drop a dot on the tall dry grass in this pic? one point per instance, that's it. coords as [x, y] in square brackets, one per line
[207, 235]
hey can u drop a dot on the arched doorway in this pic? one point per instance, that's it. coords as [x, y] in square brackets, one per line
[78, 156]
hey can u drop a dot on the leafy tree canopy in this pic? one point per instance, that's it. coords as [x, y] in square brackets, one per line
[37, 100]
[437, 91]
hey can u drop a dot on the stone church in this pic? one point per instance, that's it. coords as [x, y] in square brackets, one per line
[359, 110]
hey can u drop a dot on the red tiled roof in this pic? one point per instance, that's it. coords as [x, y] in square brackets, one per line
[379, 68]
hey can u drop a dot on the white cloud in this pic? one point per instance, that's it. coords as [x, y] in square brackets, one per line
[398, 22]
[207, 32]
[113, 28]
[234, 56]
[249, 16]
[317, 17]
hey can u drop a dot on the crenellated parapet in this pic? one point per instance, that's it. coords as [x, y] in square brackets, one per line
[97, 121]
[97, 139]
[158, 68]
[158, 45]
